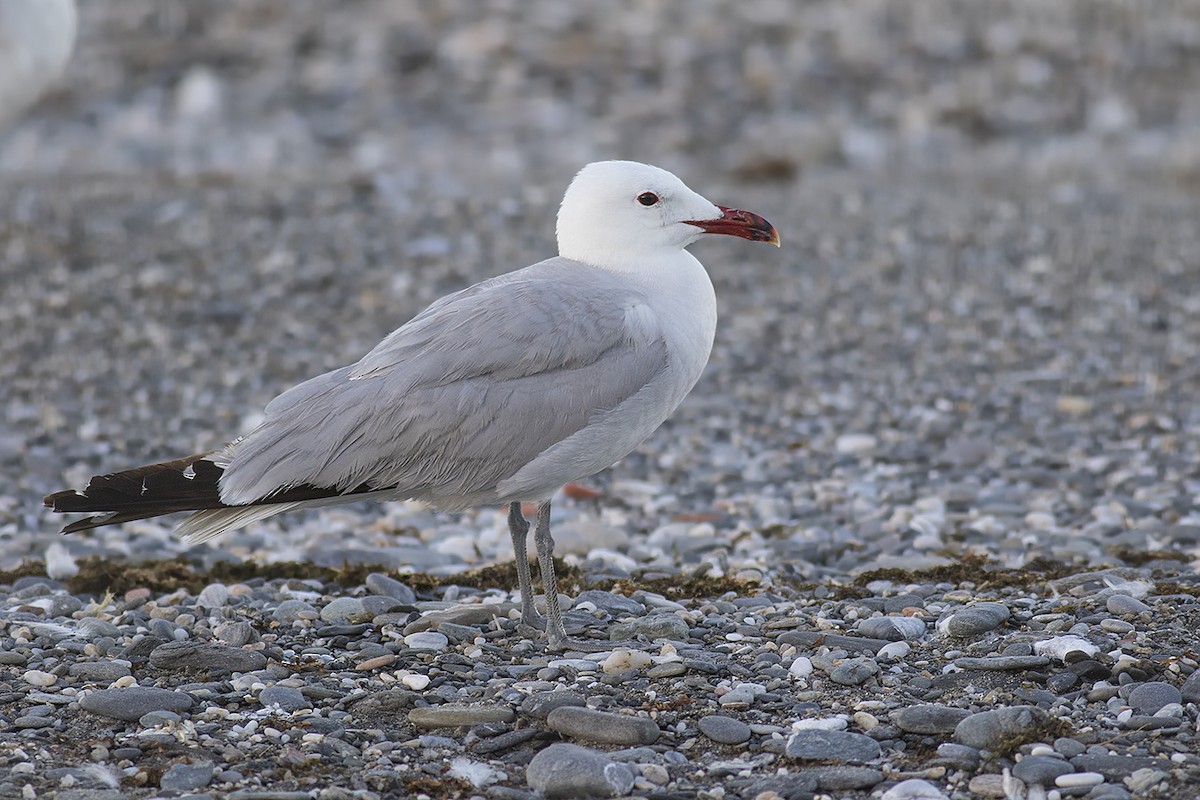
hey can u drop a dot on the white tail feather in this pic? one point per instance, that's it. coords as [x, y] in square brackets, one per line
[212, 522]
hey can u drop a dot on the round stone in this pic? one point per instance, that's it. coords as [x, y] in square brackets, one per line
[427, 640]
[823, 745]
[928, 718]
[974, 620]
[724, 730]
[1001, 728]
[565, 770]
[1149, 697]
[1041, 770]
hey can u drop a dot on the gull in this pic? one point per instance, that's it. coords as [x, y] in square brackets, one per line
[36, 39]
[500, 393]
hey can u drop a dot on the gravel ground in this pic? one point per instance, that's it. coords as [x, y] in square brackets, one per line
[927, 527]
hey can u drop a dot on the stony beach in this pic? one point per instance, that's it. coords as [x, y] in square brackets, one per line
[927, 528]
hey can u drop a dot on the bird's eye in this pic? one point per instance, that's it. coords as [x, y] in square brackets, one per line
[647, 198]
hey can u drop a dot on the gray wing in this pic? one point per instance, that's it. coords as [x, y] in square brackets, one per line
[463, 395]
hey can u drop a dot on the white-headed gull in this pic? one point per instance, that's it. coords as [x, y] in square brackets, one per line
[500, 393]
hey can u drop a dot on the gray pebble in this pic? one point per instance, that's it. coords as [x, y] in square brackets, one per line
[187, 777]
[656, 626]
[539, 704]
[1041, 770]
[236, 634]
[292, 610]
[893, 629]
[381, 584]
[822, 745]
[459, 715]
[958, 756]
[214, 595]
[601, 726]
[427, 640]
[1002, 663]
[976, 619]
[1116, 767]
[131, 702]
[854, 671]
[1190, 691]
[1123, 604]
[570, 771]
[345, 609]
[214, 659]
[839, 778]
[724, 730]
[668, 669]
[94, 627]
[98, 671]
[1001, 728]
[1068, 748]
[287, 698]
[928, 718]
[28, 722]
[1149, 697]
[13, 658]
[618, 605]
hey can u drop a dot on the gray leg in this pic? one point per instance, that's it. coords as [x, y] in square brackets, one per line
[556, 634]
[518, 527]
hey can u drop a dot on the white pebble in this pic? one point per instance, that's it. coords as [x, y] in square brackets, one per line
[622, 660]
[35, 677]
[1076, 779]
[427, 640]
[415, 682]
[802, 667]
[1059, 646]
[855, 443]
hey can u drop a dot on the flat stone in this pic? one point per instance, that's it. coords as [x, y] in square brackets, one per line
[456, 715]
[427, 640]
[1001, 729]
[286, 697]
[1123, 604]
[378, 583]
[214, 595]
[214, 659]
[570, 771]
[236, 634]
[975, 619]
[187, 777]
[1041, 770]
[1002, 663]
[601, 726]
[854, 671]
[990, 785]
[928, 718]
[808, 639]
[28, 722]
[893, 629]
[843, 778]
[131, 702]
[724, 730]
[1115, 768]
[1149, 697]
[656, 626]
[98, 671]
[823, 745]
[539, 704]
[459, 615]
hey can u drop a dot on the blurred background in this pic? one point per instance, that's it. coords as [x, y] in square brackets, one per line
[987, 305]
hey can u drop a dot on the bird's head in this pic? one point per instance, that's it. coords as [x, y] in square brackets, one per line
[618, 211]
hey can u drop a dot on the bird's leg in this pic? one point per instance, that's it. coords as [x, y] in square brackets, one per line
[518, 527]
[556, 633]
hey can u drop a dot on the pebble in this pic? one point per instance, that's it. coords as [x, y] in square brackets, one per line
[724, 730]
[345, 609]
[975, 620]
[654, 627]
[841, 778]
[928, 718]
[854, 671]
[1076, 780]
[1041, 770]
[187, 777]
[459, 716]
[286, 697]
[590, 725]
[213, 659]
[1125, 605]
[823, 745]
[913, 789]
[98, 671]
[36, 677]
[378, 583]
[1151, 696]
[540, 704]
[570, 771]
[427, 640]
[1001, 728]
[130, 703]
[893, 629]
